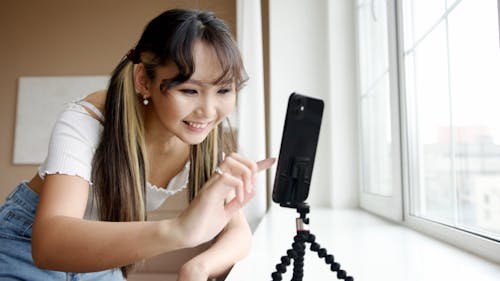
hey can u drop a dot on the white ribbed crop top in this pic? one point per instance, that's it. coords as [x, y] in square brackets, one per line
[75, 137]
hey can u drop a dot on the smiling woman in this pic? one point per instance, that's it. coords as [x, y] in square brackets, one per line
[109, 154]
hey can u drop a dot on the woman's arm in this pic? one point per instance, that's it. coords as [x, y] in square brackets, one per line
[231, 245]
[63, 241]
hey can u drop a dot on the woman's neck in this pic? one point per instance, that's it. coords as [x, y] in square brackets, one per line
[166, 153]
[166, 158]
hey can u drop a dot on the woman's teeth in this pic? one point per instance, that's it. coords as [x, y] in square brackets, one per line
[197, 125]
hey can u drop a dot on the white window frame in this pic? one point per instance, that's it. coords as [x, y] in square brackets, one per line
[387, 206]
[397, 207]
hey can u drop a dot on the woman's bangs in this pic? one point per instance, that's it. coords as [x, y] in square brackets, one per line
[230, 61]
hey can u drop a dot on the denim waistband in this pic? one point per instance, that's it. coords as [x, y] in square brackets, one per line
[24, 196]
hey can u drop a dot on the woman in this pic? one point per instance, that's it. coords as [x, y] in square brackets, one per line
[159, 124]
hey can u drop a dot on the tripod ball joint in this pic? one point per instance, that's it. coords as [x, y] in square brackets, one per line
[329, 259]
[285, 260]
[322, 253]
[298, 265]
[276, 276]
[299, 239]
[292, 254]
[315, 247]
[311, 238]
[341, 274]
[281, 268]
[298, 270]
[298, 247]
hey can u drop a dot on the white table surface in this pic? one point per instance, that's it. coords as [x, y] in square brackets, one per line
[367, 247]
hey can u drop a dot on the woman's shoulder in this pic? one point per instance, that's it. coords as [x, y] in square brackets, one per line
[97, 100]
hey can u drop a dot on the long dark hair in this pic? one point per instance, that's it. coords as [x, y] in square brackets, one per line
[120, 169]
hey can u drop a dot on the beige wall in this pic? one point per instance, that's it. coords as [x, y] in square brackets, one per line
[60, 37]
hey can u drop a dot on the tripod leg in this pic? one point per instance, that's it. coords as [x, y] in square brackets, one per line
[298, 265]
[285, 261]
[329, 259]
[297, 253]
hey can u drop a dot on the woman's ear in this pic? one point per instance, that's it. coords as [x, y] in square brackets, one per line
[141, 80]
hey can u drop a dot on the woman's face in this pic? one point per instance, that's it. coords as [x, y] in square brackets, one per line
[192, 109]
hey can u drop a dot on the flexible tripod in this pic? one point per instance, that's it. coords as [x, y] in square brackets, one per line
[297, 252]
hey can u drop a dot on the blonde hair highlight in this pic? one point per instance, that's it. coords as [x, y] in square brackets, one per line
[134, 130]
[119, 172]
[207, 155]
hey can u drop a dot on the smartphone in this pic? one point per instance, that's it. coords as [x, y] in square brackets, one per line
[297, 150]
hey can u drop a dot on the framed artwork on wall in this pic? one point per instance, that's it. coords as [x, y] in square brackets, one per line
[40, 100]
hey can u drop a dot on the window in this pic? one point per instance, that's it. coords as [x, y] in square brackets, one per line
[379, 134]
[452, 66]
[445, 79]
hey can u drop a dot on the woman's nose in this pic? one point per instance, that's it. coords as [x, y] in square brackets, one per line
[207, 106]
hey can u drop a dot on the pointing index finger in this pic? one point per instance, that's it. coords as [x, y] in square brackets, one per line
[265, 164]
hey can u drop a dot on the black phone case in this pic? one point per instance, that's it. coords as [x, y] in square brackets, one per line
[298, 150]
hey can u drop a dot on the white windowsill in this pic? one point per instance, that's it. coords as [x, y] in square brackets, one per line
[366, 246]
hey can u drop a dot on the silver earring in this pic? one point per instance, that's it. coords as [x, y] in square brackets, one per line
[145, 100]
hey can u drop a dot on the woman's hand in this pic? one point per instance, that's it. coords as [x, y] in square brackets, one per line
[209, 212]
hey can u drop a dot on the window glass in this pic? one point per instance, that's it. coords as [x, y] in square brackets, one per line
[376, 141]
[474, 73]
[452, 67]
[375, 111]
[432, 101]
[372, 38]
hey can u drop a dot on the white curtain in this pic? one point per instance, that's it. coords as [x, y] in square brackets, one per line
[251, 113]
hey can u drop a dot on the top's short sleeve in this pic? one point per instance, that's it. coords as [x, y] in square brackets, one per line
[74, 139]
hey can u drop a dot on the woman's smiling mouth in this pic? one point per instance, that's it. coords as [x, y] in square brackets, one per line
[197, 125]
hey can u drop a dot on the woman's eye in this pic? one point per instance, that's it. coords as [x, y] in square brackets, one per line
[189, 91]
[224, 91]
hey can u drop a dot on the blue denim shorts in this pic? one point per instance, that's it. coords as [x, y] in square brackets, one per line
[16, 220]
